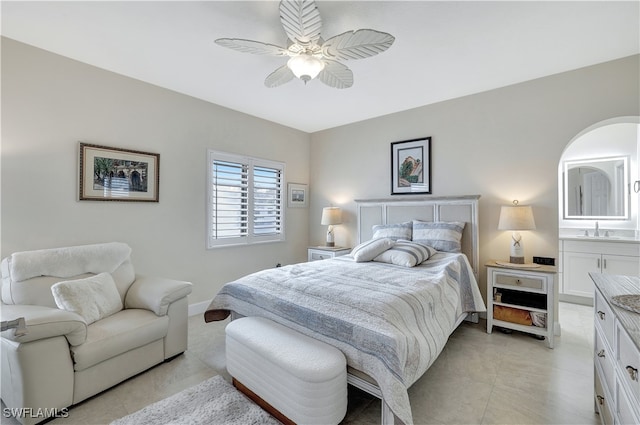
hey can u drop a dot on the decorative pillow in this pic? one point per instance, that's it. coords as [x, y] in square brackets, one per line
[393, 231]
[406, 253]
[443, 236]
[93, 298]
[369, 250]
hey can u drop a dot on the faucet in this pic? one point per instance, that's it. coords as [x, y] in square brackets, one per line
[596, 233]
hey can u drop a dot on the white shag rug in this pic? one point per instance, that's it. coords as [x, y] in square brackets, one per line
[212, 402]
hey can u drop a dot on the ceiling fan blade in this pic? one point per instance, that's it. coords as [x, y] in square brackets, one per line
[301, 21]
[336, 75]
[250, 46]
[357, 44]
[279, 76]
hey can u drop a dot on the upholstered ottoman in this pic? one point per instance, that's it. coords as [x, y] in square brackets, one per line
[302, 379]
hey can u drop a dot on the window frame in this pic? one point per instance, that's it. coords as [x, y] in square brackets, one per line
[251, 163]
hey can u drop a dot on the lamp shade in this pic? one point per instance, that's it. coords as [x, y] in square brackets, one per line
[331, 215]
[516, 218]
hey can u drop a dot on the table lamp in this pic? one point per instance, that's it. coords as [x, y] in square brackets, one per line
[516, 218]
[330, 217]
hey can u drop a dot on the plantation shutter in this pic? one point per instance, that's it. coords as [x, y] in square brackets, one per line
[230, 200]
[245, 200]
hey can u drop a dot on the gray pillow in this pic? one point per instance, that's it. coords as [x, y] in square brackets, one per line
[443, 236]
[393, 231]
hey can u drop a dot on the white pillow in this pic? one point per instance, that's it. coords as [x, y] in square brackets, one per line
[393, 231]
[369, 250]
[443, 236]
[93, 298]
[406, 254]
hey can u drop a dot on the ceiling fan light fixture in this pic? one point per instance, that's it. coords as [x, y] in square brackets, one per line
[311, 56]
[305, 66]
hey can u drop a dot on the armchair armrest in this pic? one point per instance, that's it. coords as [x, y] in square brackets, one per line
[45, 322]
[155, 294]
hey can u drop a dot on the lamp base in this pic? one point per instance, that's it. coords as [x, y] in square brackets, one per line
[516, 260]
[330, 244]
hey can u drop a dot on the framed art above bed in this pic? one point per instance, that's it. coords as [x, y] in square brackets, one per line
[411, 166]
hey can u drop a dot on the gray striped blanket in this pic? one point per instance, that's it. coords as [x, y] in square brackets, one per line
[391, 322]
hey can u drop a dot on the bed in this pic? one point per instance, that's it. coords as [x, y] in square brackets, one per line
[390, 321]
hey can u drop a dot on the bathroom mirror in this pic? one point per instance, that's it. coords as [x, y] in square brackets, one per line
[596, 188]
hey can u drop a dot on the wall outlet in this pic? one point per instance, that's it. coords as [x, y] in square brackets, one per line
[545, 261]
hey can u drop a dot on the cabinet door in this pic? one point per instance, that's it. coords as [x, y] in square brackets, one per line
[619, 264]
[577, 266]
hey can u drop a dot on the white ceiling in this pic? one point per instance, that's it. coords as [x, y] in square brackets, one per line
[443, 49]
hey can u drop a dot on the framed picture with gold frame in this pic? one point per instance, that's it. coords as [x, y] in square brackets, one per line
[116, 174]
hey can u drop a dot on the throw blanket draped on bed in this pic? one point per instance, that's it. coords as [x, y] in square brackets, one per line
[391, 322]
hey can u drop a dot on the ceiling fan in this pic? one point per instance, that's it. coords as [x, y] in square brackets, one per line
[309, 55]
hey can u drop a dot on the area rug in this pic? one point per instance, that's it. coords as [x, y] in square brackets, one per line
[212, 402]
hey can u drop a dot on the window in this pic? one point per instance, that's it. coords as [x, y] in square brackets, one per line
[245, 200]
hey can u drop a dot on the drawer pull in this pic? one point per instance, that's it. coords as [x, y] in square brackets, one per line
[518, 282]
[601, 314]
[601, 353]
[600, 400]
[633, 373]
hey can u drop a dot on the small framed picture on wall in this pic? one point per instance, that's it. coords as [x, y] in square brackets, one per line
[411, 166]
[298, 194]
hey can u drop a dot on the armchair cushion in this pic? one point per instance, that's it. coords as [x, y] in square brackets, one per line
[45, 322]
[119, 333]
[155, 294]
[93, 298]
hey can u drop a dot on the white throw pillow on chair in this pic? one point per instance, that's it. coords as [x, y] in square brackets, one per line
[93, 298]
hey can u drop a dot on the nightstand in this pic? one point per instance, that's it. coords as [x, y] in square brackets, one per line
[521, 295]
[323, 252]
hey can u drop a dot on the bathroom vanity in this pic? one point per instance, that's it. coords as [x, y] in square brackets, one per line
[615, 254]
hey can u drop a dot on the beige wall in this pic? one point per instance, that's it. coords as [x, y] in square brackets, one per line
[50, 103]
[503, 144]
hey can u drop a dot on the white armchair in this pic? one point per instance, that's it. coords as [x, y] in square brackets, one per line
[65, 357]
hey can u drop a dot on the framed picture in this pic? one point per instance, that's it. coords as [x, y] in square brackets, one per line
[114, 174]
[411, 166]
[297, 195]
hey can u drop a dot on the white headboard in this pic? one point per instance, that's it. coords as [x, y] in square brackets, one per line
[447, 208]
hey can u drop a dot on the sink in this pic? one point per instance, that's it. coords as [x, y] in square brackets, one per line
[606, 238]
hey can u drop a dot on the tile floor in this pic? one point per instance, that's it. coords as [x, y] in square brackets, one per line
[478, 379]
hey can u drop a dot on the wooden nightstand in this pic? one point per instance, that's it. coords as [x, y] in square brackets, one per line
[323, 252]
[526, 290]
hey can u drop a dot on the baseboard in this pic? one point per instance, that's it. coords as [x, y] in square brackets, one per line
[198, 308]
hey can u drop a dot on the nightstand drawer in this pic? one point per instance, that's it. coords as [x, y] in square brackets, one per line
[520, 281]
[324, 253]
[313, 256]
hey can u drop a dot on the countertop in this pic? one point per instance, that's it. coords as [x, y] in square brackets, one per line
[616, 239]
[612, 285]
[613, 235]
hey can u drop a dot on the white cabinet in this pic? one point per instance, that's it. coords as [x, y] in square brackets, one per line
[616, 352]
[579, 258]
[524, 292]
